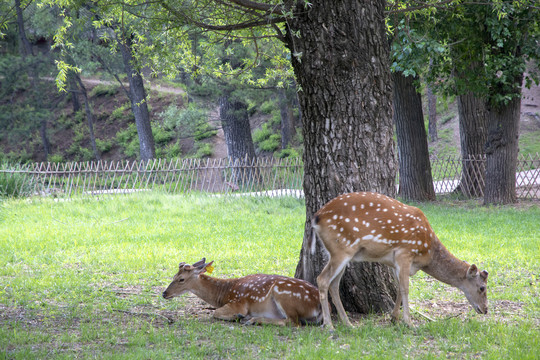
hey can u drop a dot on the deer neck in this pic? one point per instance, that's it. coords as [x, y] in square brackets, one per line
[446, 267]
[213, 290]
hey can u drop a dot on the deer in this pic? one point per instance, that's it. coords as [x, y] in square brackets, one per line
[367, 226]
[252, 299]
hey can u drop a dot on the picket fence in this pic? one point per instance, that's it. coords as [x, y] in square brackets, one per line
[260, 176]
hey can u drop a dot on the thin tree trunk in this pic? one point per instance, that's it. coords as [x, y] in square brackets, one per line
[473, 135]
[432, 109]
[74, 90]
[286, 119]
[415, 180]
[25, 46]
[89, 117]
[137, 97]
[432, 114]
[33, 73]
[341, 62]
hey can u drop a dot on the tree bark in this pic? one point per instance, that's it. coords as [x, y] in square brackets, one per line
[432, 109]
[237, 130]
[341, 63]
[89, 117]
[137, 97]
[25, 46]
[473, 135]
[501, 153]
[432, 114]
[28, 56]
[415, 179]
[287, 127]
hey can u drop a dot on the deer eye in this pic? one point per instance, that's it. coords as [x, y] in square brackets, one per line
[482, 289]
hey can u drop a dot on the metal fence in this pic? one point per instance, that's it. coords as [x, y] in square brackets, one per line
[261, 176]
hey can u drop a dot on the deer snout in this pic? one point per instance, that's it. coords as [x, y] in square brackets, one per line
[166, 295]
[481, 309]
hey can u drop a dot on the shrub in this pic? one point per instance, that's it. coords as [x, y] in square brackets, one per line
[104, 90]
[271, 144]
[288, 153]
[161, 136]
[103, 146]
[14, 184]
[203, 150]
[56, 158]
[187, 119]
[173, 150]
[268, 106]
[120, 113]
[203, 131]
[261, 134]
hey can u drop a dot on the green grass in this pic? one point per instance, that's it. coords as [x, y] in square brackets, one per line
[83, 279]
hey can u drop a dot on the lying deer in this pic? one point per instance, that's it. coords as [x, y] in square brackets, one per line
[373, 227]
[254, 299]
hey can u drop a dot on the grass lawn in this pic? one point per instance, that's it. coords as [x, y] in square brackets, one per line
[83, 279]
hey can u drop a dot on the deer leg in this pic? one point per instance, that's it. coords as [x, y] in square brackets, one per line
[404, 291]
[265, 320]
[336, 299]
[395, 311]
[231, 312]
[325, 278]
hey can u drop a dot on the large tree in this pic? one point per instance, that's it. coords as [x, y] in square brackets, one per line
[488, 46]
[341, 63]
[340, 58]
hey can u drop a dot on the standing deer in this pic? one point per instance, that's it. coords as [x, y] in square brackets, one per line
[366, 226]
[254, 299]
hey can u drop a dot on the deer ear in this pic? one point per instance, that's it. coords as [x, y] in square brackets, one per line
[484, 274]
[181, 265]
[199, 263]
[472, 272]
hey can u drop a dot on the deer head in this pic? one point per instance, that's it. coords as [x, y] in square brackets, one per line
[474, 288]
[186, 276]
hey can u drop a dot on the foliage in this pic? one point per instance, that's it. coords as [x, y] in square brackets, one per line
[103, 90]
[288, 153]
[268, 106]
[487, 46]
[265, 139]
[127, 139]
[12, 183]
[203, 150]
[88, 276]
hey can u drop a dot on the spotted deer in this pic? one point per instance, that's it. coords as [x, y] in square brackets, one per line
[253, 299]
[366, 226]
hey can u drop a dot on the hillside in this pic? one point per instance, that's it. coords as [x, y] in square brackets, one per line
[117, 140]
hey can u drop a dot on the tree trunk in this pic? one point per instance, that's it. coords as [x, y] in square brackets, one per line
[473, 134]
[137, 97]
[341, 63]
[33, 73]
[235, 122]
[25, 46]
[74, 90]
[287, 128]
[237, 130]
[432, 114]
[501, 153]
[415, 180]
[432, 109]
[89, 116]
